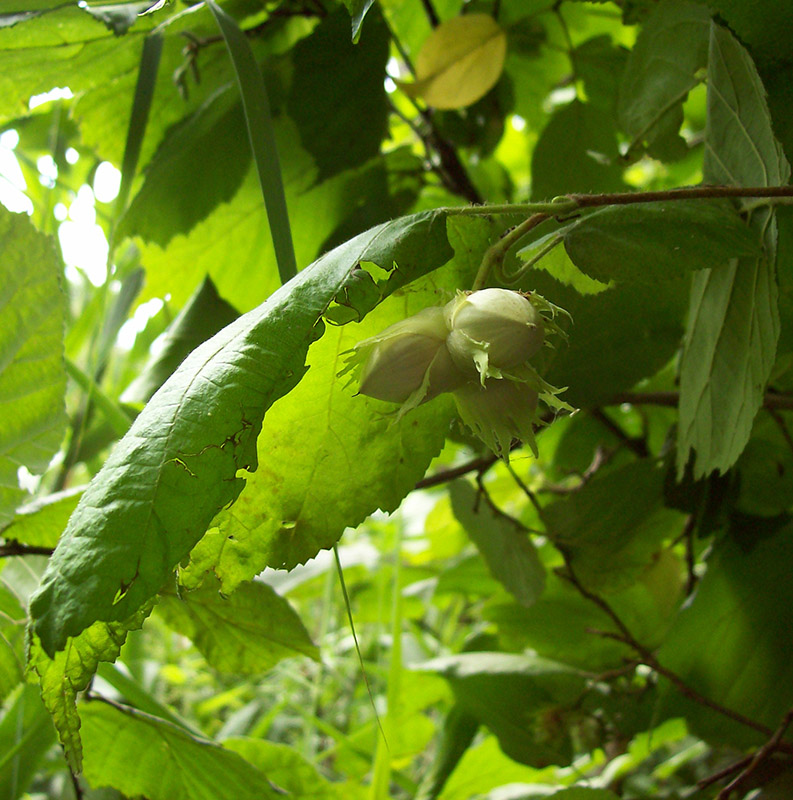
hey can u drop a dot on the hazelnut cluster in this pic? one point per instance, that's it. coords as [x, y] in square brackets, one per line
[477, 347]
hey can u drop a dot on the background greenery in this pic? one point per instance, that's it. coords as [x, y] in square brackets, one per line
[610, 619]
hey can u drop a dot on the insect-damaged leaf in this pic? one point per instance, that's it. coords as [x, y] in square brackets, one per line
[178, 464]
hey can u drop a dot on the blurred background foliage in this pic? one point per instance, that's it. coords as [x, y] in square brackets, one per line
[610, 619]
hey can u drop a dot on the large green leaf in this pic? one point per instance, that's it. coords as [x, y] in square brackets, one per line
[69, 671]
[174, 197]
[511, 694]
[614, 525]
[562, 625]
[178, 464]
[41, 522]
[141, 755]
[32, 374]
[618, 336]
[203, 316]
[26, 735]
[504, 544]
[577, 152]
[246, 633]
[733, 327]
[354, 457]
[287, 769]
[658, 241]
[742, 613]
[662, 68]
[232, 244]
[342, 118]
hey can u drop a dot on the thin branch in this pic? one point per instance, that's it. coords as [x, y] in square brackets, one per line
[568, 204]
[481, 464]
[724, 773]
[636, 446]
[600, 459]
[783, 428]
[432, 15]
[625, 636]
[683, 193]
[14, 548]
[765, 752]
[78, 789]
[772, 400]
[688, 538]
[494, 256]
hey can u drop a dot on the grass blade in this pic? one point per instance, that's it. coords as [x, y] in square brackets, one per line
[141, 105]
[262, 137]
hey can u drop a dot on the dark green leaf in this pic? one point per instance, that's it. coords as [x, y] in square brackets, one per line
[343, 118]
[730, 344]
[562, 625]
[657, 241]
[742, 613]
[175, 196]
[144, 756]
[32, 375]
[613, 527]
[663, 67]
[247, 632]
[178, 465]
[504, 544]
[600, 63]
[510, 694]
[577, 152]
[767, 34]
[204, 315]
[618, 336]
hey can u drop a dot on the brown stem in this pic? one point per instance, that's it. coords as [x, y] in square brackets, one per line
[637, 446]
[783, 402]
[12, 548]
[445, 476]
[783, 428]
[761, 755]
[432, 15]
[684, 193]
[648, 658]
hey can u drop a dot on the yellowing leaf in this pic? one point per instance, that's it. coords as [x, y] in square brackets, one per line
[460, 62]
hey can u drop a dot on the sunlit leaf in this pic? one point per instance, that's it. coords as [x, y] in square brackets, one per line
[32, 374]
[460, 62]
[178, 465]
[246, 633]
[141, 755]
[69, 671]
[292, 507]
